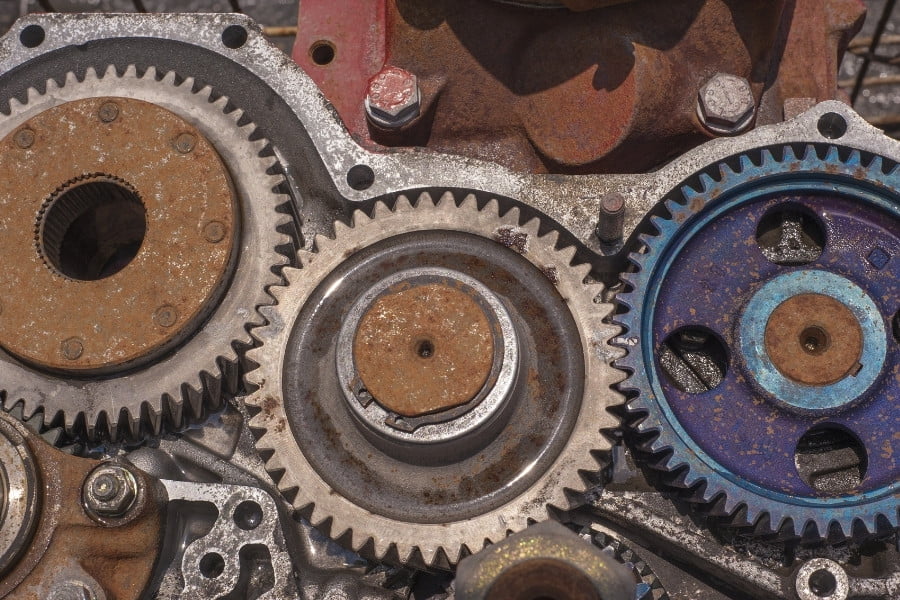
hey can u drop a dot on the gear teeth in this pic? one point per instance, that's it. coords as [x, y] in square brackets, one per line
[438, 547]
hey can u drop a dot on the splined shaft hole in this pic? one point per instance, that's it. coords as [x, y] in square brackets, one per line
[790, 235]
[831, 459]
[91, 229]
[694, 359]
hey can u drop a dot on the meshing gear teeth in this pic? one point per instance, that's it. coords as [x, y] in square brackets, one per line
[182, 385]
[438, 544]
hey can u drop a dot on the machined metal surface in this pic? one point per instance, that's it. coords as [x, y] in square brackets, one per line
[469, 497]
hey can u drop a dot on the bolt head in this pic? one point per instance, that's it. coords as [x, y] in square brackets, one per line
[393, 98]
[214, 232]
[24, 138]
[72, 348]
[165, 316]
[185, 143]
[109, 112]
[110, 491]
[726, 103]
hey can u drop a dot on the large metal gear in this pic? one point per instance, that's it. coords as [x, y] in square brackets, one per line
[127, 254]
[763, 342]
[374, 317]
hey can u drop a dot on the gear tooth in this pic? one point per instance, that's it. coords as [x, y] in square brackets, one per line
[567, 255]
[789, 155]
[877, 164]
[832, 155]
[446, 200]
[513, 216]
[32, 95]
[403, 203]
[746, 163]
[581, 271]
[855, 159]
[707, 182]
[131, 72]
[429, 555]
[663, 226]
[492, 207]
[531, 227]
[380, 210]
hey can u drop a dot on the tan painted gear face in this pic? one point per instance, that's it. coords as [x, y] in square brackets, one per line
[119, 227]
[432, 498]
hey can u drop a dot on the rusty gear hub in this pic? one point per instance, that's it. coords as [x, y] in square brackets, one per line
[367, 336]
[135, 208]
[105, 229]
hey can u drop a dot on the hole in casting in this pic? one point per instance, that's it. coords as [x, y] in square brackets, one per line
[360, 177]
[234, 36]
[831, 459]
[822, 583]
[832, 125]
[425, 349]
[32, 36]
[322, 52]
[694, 359]
[790, 235]
[212, 565]
[248, 515]
[814, 340]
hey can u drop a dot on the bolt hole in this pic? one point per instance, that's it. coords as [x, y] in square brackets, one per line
[814, 340]
[694, 359]
[790, 235]
[93, 229]
[32, 36]
[360, 177]
[831, 459]
[212, 565]
[832, 125]
[248, 515]
[322, 52]
[822, 583]
[425, 349]
[234, 36]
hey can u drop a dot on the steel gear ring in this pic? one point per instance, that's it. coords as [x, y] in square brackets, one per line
[121, 350]
[760, 340]
[503, 428]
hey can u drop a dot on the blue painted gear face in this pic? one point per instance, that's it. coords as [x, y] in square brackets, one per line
[761, 344]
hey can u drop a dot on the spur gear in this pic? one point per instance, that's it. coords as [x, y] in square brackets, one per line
[431, 379]
[648, 586]
[144, 276]
[760, 346]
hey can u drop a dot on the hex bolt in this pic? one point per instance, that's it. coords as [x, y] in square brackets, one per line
[110, 491]
[214, 232]
[185, 143]
[72, 590]
[165, 315]
[24, 138]
[72, 348]
[109, 112]
[393, 98]
[611, 222]
[725, 104]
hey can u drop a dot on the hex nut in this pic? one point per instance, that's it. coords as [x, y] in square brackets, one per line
[725, 104]
[110, 491]
[393, 98]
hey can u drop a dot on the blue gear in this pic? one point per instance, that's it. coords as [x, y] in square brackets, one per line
[714, 459]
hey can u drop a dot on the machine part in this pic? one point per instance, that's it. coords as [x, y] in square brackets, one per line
[753, 385]
[544, 561]
[240, 210]
[52, 547]
[110, 491]
[648, 585]
[113, 235]
[612, 218]
[611, 90]
[726, 104]
[393, 99]
[822, 579]
[476, 486]
[247, 520]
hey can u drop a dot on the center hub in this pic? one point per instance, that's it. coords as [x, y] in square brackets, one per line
[422, 348]
[814, 339]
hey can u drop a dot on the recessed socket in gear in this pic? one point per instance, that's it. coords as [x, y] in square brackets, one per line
[831, 459]
[694, 359]
[790, 235]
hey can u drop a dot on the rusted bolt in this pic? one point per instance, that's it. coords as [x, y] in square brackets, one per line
[24, 138]
[165, 315]
[109, 112]
[393, 98]
[612, 218]
[110, 491]
[726, 104]
[185, 142]
[214, 232]
[72, 348]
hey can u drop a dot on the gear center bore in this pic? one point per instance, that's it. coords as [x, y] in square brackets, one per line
[427, 355]
[814, 339]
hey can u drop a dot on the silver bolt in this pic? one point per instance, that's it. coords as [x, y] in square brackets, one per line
[185, 143]
[726, 104]
[110, 491]
[611, 222]
[166, 315]
[393, 98]
[24, 138]
[72, 348]
[72, 590]
[109, 112]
